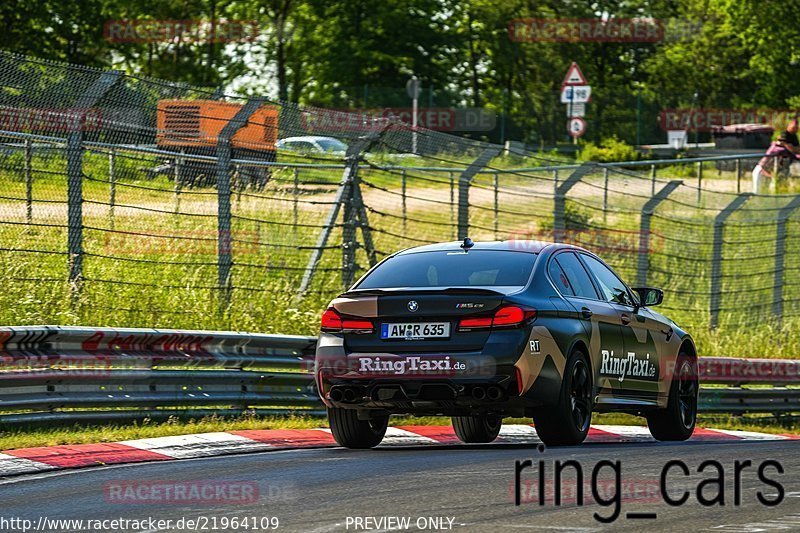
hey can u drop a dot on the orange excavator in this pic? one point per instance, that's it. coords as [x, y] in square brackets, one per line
[193, 127]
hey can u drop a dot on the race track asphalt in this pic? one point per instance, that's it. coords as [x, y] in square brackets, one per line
[322, 490]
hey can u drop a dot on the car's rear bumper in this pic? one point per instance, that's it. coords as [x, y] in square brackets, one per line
[454, 384]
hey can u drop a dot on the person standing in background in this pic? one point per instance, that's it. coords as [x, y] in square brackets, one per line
[786, 146]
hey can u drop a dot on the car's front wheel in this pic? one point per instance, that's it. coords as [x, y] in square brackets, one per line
[351, 432]
[567, 423]
[477, 429]
[677, 420]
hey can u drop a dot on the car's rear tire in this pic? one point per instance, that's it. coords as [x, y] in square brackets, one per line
[351, 432]
[567, 423]
[477, 429]
[676, 422]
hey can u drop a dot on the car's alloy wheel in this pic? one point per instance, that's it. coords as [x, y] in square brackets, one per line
[581, 395]
[567, 422]
[677, 420]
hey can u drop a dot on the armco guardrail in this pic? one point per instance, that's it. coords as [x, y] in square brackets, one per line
[77, 373]
[50, 368]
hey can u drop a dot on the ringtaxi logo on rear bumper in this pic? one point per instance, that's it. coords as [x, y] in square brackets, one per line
[400, 366]
[412, 366]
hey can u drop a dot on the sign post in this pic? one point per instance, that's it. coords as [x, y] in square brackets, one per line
[413, 89]
[575, 93]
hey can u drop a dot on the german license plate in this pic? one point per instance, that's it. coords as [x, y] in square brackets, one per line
[415, 330]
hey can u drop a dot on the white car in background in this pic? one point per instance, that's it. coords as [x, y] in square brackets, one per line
[313, 143]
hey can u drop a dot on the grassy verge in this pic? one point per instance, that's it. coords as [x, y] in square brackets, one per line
[27, 437]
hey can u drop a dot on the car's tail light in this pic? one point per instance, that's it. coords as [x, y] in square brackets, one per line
[508, 316]
[333, 322]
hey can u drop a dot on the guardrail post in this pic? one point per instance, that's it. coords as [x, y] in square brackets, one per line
[86, 101]
[559, 204]
[644, 230]
[28, 181]
[780, 257]
[464, 181]
[224, 156]
[716, 257]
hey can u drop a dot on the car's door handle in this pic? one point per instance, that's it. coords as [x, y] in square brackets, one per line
[626, 319]
[586, 313]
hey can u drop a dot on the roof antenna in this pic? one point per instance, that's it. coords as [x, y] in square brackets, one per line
[467, 244]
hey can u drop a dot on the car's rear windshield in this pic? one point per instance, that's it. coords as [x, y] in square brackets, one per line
[478, 268]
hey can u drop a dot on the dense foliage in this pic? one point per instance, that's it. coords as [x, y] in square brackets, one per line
[359, 53]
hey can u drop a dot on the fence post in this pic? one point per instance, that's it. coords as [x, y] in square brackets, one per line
[555, 182]
[644, 230]
[177, 179]
[464, 181]
[780, 257]
[738, 175]
[716, 257]
[559, 204]
[112, 185]
[348, 195]
[403, 199]
[699, 181]
[652, 180]
[295, 198]
[28, 181]
[349, 243]
[496, 205]
[605, 194]
[224, 156]
[452, 203]
[86, 101]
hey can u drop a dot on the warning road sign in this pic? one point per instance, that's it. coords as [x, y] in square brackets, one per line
[574, 76]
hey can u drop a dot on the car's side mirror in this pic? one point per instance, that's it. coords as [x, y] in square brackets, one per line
[649, 296]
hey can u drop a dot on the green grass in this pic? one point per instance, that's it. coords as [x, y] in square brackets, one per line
[151, 260]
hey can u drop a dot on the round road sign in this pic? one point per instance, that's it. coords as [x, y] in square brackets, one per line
[576, 126]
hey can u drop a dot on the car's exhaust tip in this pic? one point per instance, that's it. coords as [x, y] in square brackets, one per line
[494, 393]
[336, 395]
[349, 395]
[478, 392]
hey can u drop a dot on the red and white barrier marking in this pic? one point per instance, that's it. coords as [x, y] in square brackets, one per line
[34, 460]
